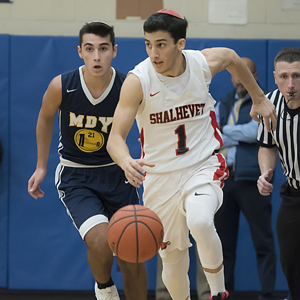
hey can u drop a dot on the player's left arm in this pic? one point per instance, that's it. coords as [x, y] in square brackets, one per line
[219, 59]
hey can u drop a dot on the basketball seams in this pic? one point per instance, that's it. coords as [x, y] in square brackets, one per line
[136, 223]
[121, 235]
[125, 217]
[135, 233]
[118, 220]
[151, 231]
[144, 208]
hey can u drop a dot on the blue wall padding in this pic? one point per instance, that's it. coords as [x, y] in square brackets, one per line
[4, 168]
[40, 247]
[254, 49]
[45, 251]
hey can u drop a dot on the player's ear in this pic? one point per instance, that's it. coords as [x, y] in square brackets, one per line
[181, 44]
[115, 50]
[274, 73]
[79, 51]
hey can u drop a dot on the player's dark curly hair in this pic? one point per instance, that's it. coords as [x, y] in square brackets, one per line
[98, 28]
[165, 22]
[288, 54]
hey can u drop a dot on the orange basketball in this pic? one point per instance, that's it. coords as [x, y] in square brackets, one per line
[135, 233]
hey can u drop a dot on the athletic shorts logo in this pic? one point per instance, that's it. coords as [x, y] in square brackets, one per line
[152, 95]
[196, 194]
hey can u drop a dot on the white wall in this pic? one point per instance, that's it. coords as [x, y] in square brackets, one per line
[266, 19]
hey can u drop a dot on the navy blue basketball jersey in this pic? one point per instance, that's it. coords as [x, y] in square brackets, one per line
[85, 122]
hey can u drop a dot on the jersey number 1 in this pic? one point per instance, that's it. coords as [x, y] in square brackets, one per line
[182, 148]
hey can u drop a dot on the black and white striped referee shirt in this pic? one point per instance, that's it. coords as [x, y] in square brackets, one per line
[286, 137]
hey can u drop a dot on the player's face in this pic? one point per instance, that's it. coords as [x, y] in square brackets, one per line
[164, 54]
[287, 78]
[97, 53]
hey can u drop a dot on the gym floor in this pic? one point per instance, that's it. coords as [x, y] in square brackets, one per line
[88, 295]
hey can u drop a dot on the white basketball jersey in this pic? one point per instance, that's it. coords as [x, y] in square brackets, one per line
[177, 131]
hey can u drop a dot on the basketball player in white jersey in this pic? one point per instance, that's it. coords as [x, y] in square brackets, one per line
[168, 93]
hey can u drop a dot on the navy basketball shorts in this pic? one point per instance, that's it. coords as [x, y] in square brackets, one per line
[92, 195]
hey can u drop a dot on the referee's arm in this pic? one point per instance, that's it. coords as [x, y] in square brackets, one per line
[267, 159]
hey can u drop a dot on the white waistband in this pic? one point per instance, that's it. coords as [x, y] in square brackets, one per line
[68, 163]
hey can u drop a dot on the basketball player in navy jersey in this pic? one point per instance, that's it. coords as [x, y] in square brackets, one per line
[182, 175]
[89, 183]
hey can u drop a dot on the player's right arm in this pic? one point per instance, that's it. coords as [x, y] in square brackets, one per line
[44, 129]
[267, 160]
[130, 98]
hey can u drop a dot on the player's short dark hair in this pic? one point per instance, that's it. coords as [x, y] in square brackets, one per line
[98, 28]
[288, 54]
[176, 27]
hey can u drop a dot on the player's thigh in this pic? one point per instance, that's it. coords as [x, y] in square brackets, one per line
[76, 189]
[207, 178]
[115, 191]
[200, 206]
[162, 194]
[84, 208]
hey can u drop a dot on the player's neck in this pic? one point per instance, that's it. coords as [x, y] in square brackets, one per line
[179, 66]
[97, 85]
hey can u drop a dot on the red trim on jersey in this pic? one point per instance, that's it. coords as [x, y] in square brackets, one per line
[142, 155]
[222, 173]
[216, 127]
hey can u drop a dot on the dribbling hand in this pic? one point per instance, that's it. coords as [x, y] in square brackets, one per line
[134, 171]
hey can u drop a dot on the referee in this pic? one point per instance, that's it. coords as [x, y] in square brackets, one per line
[285, 141]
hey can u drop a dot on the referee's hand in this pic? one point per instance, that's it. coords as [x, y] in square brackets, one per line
[265, 188]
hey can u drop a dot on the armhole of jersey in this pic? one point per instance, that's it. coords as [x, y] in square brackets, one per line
[141, 107]
[201, 60]
[143, 84]
[206, 71]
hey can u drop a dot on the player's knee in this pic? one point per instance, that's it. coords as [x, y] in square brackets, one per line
[96, 240]
[175, 260]
[171, 256]
[199, 225]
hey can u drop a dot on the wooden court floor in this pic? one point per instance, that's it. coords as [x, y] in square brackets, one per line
[89, 295]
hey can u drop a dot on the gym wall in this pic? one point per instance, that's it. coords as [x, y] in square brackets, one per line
[266, 19]
[40, 248]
